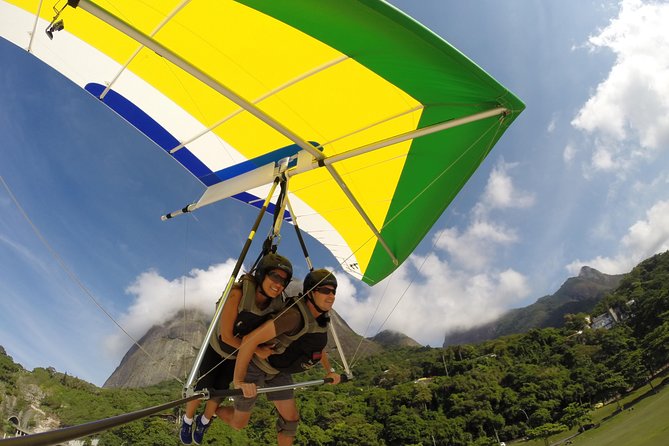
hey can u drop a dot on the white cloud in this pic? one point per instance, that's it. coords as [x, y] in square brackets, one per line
[632, 104]
[443, 298]
[568, 153]
[471, 249]
[661, 182]
[500, 192]
[643, 239]
[603, 159]
[552, 125]
[158, 299]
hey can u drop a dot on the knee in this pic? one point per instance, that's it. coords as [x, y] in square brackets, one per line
[286, 427]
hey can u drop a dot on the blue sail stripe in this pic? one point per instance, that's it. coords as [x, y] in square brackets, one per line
[164, 139]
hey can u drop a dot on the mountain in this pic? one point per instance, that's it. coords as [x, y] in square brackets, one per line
[577, 295]
[168, 350]
[389, 338]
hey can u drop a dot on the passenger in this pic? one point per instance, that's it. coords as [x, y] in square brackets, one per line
[252, 301]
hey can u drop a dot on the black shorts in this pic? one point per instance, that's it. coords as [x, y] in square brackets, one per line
[214, 373]
[262, 379]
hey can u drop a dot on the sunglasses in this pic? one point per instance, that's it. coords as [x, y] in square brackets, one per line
[325, 290]
[277, 278]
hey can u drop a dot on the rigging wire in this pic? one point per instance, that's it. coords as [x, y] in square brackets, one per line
[185, 273]
[371, 319]
[71, 273]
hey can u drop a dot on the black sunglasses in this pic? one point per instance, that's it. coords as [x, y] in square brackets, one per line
[276, 278]
[325, 290]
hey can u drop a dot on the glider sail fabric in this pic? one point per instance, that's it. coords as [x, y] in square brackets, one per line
[231, 88]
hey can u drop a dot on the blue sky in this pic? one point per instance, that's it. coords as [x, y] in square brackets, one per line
[580, 178]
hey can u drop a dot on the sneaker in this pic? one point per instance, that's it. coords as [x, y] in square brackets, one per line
[200, 429]
[186, 433]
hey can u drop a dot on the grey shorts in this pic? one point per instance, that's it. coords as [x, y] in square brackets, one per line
[262, 379]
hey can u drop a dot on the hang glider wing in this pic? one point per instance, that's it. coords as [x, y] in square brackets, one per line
[381, 122]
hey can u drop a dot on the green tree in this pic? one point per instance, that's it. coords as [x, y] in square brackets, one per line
[575, 322]
[545, 431]
[656, 344]
[612, 387]
[356, 430]
[405, 427]
[576, 415]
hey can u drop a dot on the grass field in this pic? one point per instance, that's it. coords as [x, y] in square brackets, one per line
[644, 422]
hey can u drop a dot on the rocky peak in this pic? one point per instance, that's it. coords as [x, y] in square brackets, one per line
[590, 273]
[168, 350]
[389, 338]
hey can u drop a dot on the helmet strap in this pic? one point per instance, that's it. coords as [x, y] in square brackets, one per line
[310, 298]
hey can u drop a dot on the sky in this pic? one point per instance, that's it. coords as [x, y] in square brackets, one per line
[580, 178]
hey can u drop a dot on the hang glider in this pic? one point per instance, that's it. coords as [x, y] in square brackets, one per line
[376, 121]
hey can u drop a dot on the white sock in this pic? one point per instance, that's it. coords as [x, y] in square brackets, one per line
[188, 420]
[204, 419]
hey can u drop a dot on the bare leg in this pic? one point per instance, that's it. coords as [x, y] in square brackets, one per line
[210, 408]
[191, 407]
[236, 419]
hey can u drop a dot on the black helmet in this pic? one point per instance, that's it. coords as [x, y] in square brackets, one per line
[319, 277]
[273, 261]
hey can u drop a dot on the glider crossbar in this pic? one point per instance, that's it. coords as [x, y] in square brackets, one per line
[239, 392]
[60, 436]
[408, 136]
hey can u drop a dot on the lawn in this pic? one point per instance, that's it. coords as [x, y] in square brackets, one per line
[644, 422]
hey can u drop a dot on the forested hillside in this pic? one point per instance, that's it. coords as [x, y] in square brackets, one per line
[520, 385]
[577, 294]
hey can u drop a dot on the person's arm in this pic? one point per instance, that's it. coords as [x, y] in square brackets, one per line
[228, 317]
[249, 344]
[325, 362]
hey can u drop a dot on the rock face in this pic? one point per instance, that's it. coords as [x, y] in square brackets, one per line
[389, 338]
[576, 295]
[173, 346]
[171, 349]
